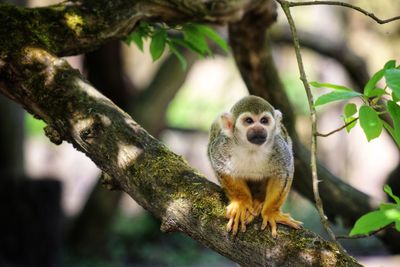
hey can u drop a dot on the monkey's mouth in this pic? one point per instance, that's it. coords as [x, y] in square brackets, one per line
[257, 138]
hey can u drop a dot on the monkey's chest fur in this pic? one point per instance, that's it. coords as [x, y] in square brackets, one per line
[249, 164]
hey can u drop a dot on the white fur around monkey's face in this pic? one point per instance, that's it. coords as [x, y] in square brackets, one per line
[256, 129]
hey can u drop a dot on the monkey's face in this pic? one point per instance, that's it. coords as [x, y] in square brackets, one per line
[255, 129]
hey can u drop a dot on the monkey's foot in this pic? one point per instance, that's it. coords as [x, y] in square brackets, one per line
[272, 217]
[257, 207]
[237, 212]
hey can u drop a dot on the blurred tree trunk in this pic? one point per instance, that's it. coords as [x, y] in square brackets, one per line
[11, 139]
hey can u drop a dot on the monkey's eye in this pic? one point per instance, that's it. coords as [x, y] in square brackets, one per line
[264, 120]
[248, 120]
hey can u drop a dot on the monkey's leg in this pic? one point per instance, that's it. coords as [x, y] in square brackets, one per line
[277, 191]
[241, 204]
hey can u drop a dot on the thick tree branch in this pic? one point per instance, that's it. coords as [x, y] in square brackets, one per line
[74, 27]
[140, 165]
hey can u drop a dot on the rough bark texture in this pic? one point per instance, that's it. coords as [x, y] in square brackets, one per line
[140, 165]
[75, 26]
[91, 229]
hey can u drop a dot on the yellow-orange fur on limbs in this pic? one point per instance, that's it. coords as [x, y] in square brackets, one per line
[251, 154]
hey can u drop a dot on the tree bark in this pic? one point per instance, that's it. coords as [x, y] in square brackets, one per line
[75, 27]
[138, 164]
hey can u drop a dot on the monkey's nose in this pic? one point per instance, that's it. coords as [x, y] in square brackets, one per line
[257, 138]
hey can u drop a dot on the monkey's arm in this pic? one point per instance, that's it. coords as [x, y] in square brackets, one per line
[241, 204]
[276, 194]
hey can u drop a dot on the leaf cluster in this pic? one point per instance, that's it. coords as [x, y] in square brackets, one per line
[376, 100]
[190, 36]
[388, 213]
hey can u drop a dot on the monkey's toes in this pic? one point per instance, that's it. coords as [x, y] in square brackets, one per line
[237, 212]
[274, 217]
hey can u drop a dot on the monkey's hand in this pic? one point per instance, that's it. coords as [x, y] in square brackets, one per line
[238, 212]
[273, 216]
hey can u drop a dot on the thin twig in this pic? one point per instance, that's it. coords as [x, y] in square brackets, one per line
[337, 130]
[318, 202]
[364, 235]
[338, 3]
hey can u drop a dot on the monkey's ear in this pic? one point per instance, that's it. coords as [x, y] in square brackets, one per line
[226, 121]
[278, 115]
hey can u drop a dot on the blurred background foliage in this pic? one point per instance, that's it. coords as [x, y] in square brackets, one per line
[100, 228]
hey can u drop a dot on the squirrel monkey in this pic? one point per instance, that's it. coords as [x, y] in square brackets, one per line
[251, 154]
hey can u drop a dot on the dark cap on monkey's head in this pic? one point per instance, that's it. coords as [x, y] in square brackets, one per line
[253, 104]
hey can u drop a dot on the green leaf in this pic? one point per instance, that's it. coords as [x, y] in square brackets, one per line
[395, 97]
[394, 111]
[178, 54]
[180, 42]
[370, 122]
[376, 92]
[351, 125]
[373, 81]
[137, 38]
[157, 44]
[397, 225]
[370, 222]
[393, 214]
[350, 109]
[393, 80]
[330, 85]
[391, 64]
[392, 133]
[335, 96]
[388, 206]
[389, 191]
[196, 39]
[214, 36]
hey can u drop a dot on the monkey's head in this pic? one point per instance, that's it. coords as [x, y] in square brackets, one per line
[252, 121]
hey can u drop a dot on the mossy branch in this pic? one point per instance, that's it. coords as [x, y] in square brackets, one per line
[75, 27]
[138, 164]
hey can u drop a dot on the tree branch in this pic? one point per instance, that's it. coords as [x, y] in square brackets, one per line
[75, 27]
[336, 130]
[140, 165]
[343, 4]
